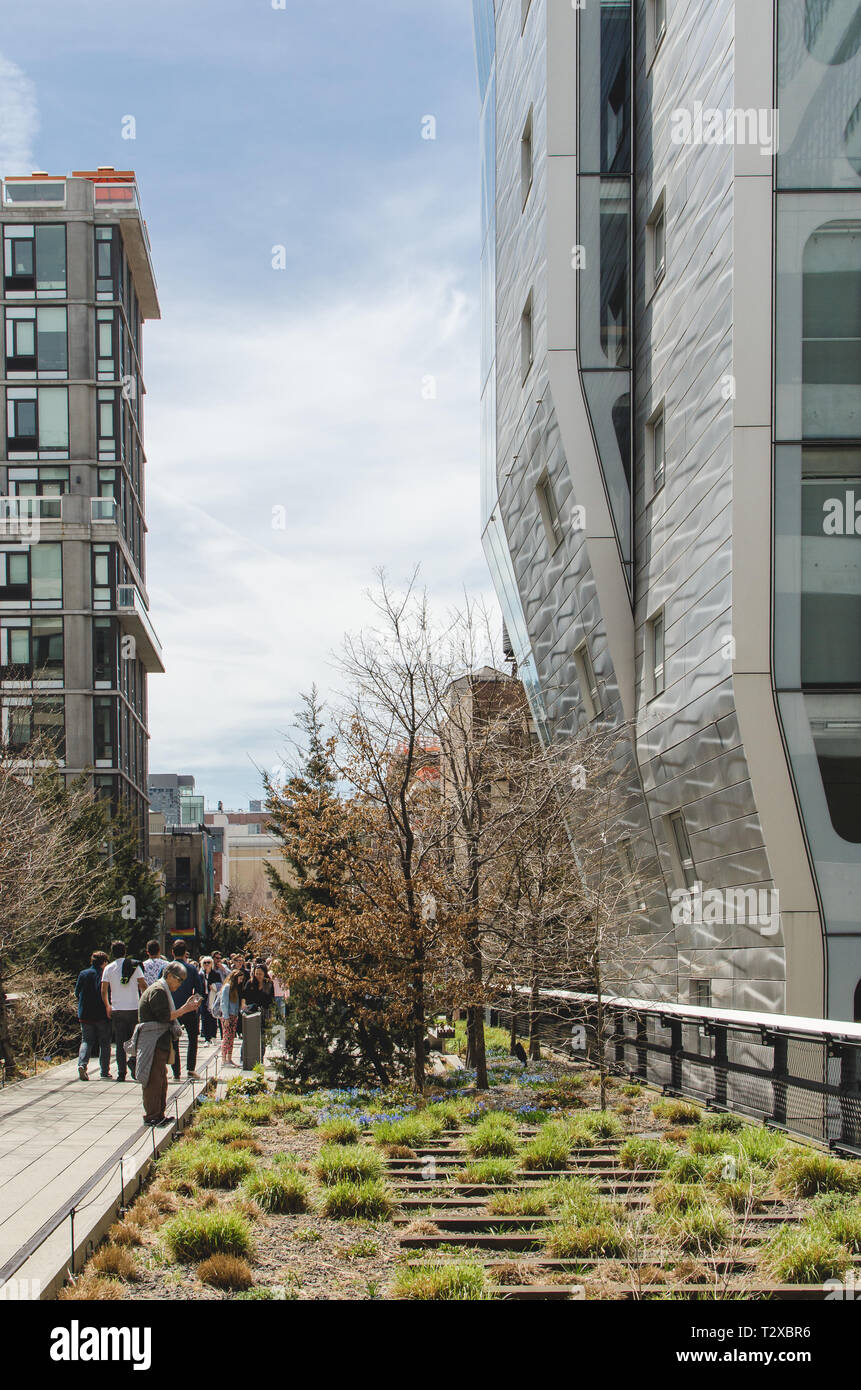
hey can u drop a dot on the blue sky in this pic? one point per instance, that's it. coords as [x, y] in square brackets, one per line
[304, 393]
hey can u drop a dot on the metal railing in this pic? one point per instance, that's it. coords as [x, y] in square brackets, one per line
[113, 1168]
[802, 1075]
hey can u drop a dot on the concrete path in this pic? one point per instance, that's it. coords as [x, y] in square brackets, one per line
[56, 1134]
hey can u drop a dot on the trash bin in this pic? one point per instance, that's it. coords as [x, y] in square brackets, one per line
[252, 1040]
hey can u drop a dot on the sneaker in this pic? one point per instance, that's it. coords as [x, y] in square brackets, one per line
[159, 1121]
[106, 1076]
[82, 1074]
[165, 1120]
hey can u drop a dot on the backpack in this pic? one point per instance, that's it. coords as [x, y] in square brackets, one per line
[215, 1003]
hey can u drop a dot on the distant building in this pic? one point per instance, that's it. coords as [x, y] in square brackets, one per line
[183, 856]
[242, 848]
[174, 796]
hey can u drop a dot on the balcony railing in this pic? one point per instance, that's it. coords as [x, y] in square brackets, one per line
[26, 509]
[103, 509]
[131, 605]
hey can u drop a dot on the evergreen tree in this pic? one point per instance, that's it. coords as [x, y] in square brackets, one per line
[336, 1030]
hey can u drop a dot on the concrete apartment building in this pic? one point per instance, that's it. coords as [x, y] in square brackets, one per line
[76, 642]
[243, 846]
[671, 452]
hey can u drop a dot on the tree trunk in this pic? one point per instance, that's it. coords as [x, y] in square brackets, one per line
[512, 1034]
[7, 1056]
[476, 1055]
[534, 1039]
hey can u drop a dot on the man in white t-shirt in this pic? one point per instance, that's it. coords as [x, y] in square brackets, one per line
[123, 983]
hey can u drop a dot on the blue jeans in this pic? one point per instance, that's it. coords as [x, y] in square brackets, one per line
[96, 1037]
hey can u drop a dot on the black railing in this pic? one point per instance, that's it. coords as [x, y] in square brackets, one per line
[802, 1075]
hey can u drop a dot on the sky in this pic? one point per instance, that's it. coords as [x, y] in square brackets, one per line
[312, 385]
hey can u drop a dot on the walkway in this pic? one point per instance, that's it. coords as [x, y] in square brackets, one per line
[58, 1134]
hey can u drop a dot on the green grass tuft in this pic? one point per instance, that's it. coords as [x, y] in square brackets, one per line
[195, 1235]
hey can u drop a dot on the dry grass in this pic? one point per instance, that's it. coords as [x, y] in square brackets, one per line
[114, 1260]
[92, 1288]
[146, 1214]
[121, 1233]
[225, 1272]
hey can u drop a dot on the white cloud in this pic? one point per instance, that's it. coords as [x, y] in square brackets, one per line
[318, 411]
[19, 120]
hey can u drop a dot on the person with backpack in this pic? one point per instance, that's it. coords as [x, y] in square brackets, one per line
[209, 1021]
[123, 983]
[93, 1016]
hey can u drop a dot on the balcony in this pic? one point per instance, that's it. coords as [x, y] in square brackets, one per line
[21, 517]
[115, 192]
[104, 509]
[136, 621]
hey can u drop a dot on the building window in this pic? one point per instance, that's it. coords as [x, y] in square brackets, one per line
[526, 339]
[37, 421]
[104, 730]
[655, 640]
[656, 25]
[15, 576]
[549, 512]
[526, 160]
[701, 994]
[586, 679]
[656, 451]
[41, 717]
[35, 261]
[103, 577]
[38, 482]
[106, 264]
[33, 575]
[681, 846]
[656, 245]
[104, 654]
[36, 341]
[32, 649]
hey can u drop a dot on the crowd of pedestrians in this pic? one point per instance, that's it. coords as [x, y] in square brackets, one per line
[142, 1008]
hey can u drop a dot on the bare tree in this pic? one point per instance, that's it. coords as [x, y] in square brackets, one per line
[53, 870]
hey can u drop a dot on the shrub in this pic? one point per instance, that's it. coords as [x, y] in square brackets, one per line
[455, 1282]
[257, 1112]
[280, 1189]
[703, 1140]
[195, 1235]
[646, 1155]
[337, 1163]
[92, 1288]
[632, 1089]
[687, 1168]
[254, 1085]
[841, 1221]
[760, 1145]
[677, 1112]
[549, 1150]
[450, 1112]
[571, 1240]
[805, 1174]
[211, 1165]
[341, 1131]
[487, 1172]
[222, 1130]
[700, 1228]
[603, 1125]
[113, 1259]
[225, 1272]
[369, 1200]
[124, 1233]
[493, 1137]
[414, 1131]
[523, 1201]
[805, 1255]
[723, 1123]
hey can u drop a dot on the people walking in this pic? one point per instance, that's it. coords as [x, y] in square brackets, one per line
[223, 970]
[231, 1005]
[93, 1016]
[123, 983]
[191, 984]
[157, 1033]
[153, 966]
[214, 983]
[259, 993]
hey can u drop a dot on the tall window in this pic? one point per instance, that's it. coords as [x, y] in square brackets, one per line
[526, 338]
[37, 421]
[586, 679]
[656, 450]
[656, 245]
[35, 261]
[104, 730]
[526, 160]
[36, 341]
[682, 847]
[549, 512]
[655, 643]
